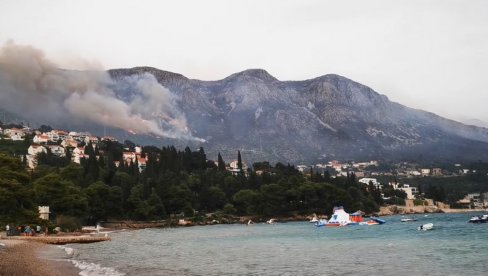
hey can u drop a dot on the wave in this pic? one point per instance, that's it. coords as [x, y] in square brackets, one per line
[66, 249]
[92, 269]
[87, 268]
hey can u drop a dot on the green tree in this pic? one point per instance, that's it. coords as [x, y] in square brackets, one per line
[220, 163]
[156, 207]
[239, 160]
[246, 201]
[62, 196]
[98, 194]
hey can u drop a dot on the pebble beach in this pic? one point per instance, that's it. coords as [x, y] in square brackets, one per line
[19, 257]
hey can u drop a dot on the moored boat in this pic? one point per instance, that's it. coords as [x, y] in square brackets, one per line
[479, 219]
[338, 218]
[314, 220]
[342, 218]
[321, 222]
[425, 227]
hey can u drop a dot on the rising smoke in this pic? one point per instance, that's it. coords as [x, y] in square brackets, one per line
[34, 87]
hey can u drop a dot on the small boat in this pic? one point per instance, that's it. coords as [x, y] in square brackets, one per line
[314, 220]
[321, 222]
[339, 218]
[378, 220]
[271, 221]
[479, 219]
[342, 218]
[408, 219]
[425, 227]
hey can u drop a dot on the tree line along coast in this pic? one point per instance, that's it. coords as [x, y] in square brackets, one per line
[116, 181]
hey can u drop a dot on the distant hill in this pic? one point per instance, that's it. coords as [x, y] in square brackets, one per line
[328, 117]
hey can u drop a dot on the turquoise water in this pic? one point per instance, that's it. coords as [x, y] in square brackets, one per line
[453, 247]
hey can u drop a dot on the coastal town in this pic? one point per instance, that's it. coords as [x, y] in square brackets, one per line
[396, 176]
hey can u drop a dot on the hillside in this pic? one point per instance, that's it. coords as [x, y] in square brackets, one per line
[328, 117]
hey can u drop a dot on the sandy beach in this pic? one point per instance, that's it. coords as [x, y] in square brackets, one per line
[24, 258]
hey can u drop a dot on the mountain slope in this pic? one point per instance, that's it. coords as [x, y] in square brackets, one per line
[328, 117]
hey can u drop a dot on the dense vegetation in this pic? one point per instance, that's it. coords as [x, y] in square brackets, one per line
[174, 182]
[186, 183]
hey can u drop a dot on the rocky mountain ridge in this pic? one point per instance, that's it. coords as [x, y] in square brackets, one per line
[328, 117]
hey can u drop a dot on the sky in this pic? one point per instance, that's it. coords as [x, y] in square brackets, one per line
[430, 55]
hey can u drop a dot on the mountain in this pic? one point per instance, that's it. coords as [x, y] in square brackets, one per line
[328, 117]
[475, 122]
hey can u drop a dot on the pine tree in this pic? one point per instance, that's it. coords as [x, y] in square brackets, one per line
[239, 160]
[202, 158]
[220, 163]
[24, 161]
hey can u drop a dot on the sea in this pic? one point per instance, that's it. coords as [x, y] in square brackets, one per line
[452, 247]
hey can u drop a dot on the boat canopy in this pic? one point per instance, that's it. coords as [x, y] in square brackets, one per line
[339, 216]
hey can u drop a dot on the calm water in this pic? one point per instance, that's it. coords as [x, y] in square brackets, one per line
[453, 247]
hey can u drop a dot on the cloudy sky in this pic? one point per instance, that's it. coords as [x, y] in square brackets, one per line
[431, 55]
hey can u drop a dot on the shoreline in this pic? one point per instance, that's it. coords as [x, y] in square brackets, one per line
[19, 257]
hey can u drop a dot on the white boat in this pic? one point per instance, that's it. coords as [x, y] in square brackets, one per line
[479, 219]
[271, 221]
[314, 220]
[408, 219]
[425, 227]
[321, 222]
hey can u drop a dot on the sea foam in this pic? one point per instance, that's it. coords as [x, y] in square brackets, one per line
[66, 249]
[91, 269]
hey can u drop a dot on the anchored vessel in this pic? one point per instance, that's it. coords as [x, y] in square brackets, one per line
[479, 219]
[342, 218]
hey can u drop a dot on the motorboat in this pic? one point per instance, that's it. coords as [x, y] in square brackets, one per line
[479, 219]
[339, 218]
[378, 220]
[314, 220]
[321, 222]
[425, 227]
[342, 218]
[271, 221]
[408, 219]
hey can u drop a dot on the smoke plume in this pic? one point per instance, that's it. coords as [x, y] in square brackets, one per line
[34, 87]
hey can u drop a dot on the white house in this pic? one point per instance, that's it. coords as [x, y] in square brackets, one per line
[234, 165]
[92, 139]
[410, 191]
[425, 172]
[14, 131]
[40, 139]
[32, 152]
[414, 173]
[108, 138]
[78, 136]
[16, 137]
[69, 143]
[366, 181]
[129, 156]
[52, 136]
[79, 150]
[61, 134]
[36, 149]
[57, 150]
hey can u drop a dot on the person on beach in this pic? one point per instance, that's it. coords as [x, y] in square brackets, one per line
[38, 229]
[28, 231]
[7, 229]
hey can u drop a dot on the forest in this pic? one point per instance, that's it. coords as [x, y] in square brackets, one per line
[174, 183]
